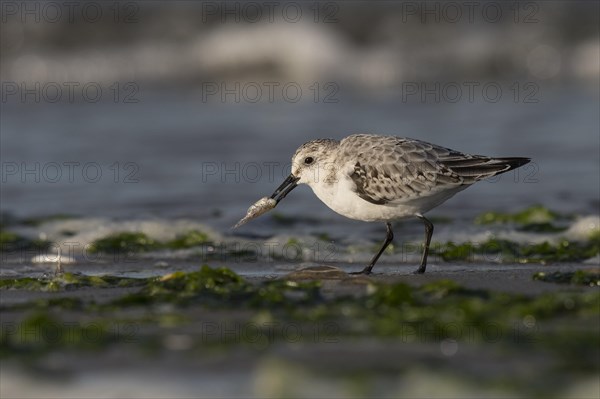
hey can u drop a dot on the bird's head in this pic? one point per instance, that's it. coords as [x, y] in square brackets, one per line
[311, 164]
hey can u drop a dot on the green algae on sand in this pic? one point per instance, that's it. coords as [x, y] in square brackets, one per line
[129, 242]
[10, 241]
[530, 215]
[67, 281]
[215, 309]
[510, 251]
[134, 242]
[578, 277]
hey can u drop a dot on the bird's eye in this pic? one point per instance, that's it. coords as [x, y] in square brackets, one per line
[308, 160]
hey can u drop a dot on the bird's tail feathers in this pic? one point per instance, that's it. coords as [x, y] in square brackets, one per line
[478, 168]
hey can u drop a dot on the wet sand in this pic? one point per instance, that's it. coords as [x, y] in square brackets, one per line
[510, 278]
[210, 352]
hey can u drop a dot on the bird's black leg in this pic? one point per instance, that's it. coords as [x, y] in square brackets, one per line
[428, 234]
[388, 239]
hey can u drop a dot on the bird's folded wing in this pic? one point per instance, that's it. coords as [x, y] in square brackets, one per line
[391, 169]
[402, 170]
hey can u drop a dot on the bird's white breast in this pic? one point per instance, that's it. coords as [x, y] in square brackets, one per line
[341, 197]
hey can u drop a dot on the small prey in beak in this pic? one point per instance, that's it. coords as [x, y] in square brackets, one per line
[265, 204]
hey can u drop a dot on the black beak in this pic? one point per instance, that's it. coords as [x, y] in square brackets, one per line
[288, 185]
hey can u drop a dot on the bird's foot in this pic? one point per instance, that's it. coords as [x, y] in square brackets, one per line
[365, 271]
[420, 270]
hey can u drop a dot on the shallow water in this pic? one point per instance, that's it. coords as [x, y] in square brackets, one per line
[175, 160]
[172, 154]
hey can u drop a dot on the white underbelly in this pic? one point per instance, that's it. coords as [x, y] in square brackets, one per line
[347, 203]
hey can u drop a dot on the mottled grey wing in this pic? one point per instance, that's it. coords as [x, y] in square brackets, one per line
[389, 169]
[392, 169]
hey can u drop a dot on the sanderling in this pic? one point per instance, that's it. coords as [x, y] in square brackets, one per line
[384, 178]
